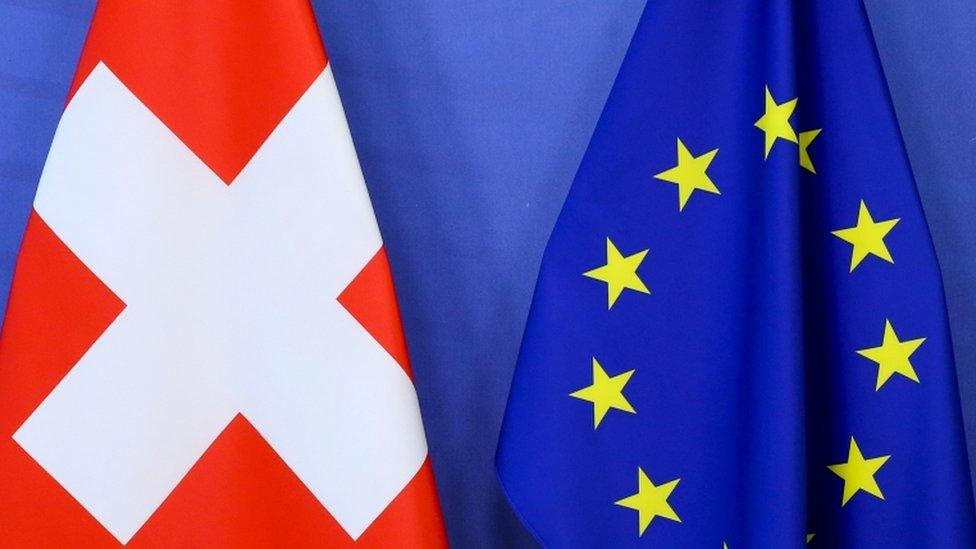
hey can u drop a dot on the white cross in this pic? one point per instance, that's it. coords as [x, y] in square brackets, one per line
[230, 296]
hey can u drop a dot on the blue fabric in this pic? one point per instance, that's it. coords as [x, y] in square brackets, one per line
[746, 381]
[470, 120]
[932, 79]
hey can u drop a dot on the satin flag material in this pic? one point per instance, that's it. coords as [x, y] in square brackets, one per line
[202, 345]
[739, 337]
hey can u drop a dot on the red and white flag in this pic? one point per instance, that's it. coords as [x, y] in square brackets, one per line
[202, 346]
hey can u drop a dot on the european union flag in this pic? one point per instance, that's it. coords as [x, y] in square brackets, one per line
[739, 334]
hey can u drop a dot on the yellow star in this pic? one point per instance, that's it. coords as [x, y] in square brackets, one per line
[858, 473]
[606, 392]
[810, 537]
[650, 501]
[775, 121]
[867, 237]
[892, 356]
[690, 174]
[619, 273]
[805, 139]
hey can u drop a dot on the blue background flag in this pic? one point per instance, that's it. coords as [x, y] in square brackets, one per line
[739, 333]
[470, 120]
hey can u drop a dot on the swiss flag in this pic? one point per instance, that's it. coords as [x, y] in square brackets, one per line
[202, 346]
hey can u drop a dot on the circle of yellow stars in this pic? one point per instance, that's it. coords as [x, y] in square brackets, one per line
[866, 238]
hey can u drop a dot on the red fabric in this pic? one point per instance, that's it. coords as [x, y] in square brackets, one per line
[221, 74]
[57, 309]
[241, 494]
[371, 300]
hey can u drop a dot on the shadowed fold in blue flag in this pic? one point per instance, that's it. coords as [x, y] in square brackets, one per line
[738, 334]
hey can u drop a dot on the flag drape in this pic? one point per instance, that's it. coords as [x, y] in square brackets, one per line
[739, 334]
[203, 345]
